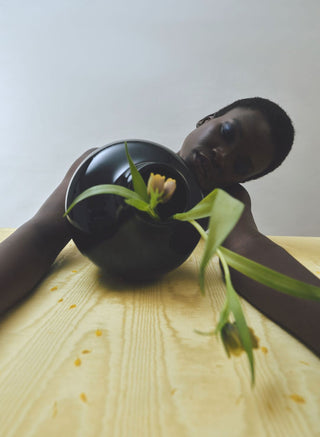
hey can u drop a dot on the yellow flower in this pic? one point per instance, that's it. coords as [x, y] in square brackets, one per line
[168, 189]
[155, 183]
[231, 339]
[161, 187]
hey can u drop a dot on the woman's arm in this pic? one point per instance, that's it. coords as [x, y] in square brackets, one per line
[27, 254]
[299, 317]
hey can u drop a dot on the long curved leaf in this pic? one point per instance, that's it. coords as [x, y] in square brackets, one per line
[138, 183]
[200, 210]
[225, 213]
[233, 305]
[103, 189]
[269, 277]
[139, 204]
[244, 333]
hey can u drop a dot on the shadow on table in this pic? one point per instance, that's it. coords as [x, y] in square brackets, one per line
[181, 274]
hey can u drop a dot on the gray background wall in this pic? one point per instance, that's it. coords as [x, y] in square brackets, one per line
[79, 73]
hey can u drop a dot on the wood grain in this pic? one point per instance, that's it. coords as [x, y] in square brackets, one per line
[86, 356]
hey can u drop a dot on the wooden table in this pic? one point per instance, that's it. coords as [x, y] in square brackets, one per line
[85, 357]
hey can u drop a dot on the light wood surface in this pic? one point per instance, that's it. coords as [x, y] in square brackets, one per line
[86, 357]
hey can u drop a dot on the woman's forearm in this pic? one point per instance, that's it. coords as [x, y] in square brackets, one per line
[27, 254]
[299, 317]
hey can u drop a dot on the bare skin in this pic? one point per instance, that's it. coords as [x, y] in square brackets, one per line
[229, 149]
[31, 249]
[26, 256]
[299, 317]
[214, 154]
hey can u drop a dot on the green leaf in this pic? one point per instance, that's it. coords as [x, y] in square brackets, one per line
[244, 333]
[154, 198]
[269, 277]
[139, 204]
[224, 316]
[201, 210]
[103, 189]
[225, 213]
[137, 180]
[234, 306]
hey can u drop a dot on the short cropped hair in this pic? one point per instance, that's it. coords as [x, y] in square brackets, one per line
[280, 124]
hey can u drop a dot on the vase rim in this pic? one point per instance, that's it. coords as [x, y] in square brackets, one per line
[113, 143]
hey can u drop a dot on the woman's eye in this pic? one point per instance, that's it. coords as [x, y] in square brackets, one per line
[243, 166]
[228, 131]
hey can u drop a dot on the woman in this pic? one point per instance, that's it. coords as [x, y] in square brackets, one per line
[242, 141]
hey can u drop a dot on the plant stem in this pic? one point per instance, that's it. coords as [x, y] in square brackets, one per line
[199, 228]
[152, 213]
[224, 265]
[232, 305]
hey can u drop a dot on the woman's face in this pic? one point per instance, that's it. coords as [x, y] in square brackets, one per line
[229, 149]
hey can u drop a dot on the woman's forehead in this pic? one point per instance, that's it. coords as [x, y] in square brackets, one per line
[256, 135]
[251, 124]
[246, 115]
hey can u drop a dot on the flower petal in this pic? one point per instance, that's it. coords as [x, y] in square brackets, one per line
[231, 339]
[169, 188]
[155, 183]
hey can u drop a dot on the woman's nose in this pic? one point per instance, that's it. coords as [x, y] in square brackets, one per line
[221, 155]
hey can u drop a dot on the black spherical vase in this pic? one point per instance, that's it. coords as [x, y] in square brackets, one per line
[120, 239]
